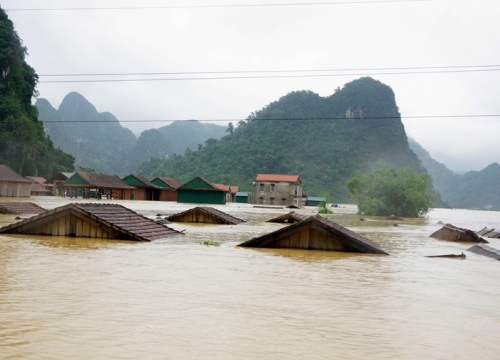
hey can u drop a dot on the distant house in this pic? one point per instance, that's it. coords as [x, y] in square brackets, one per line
[38, 187]
[98, 186]
[274, 189]
[169, 188]
[230, 191]
[205, 214]
[12, 184]
[241, 197]
[314, 200]
[54, 182]
[200, 191]
[146, 190]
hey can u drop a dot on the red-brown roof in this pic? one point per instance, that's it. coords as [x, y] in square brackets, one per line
[234, 189]
[36, 179]
[222, 187]
[39, 188]
[174, 184]
[278, 178]
[7, 174]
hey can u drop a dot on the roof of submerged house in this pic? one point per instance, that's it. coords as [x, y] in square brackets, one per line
[219, 216]
[12, 207]
[334, 233]
[451, 232]
[118, 220]
[96, 180]
[291, 217]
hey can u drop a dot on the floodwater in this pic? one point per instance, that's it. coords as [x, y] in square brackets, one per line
[75, 298]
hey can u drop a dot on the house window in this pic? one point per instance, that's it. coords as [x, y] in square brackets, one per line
[283, 201]
[261, 200]
[261, 187]
[271, 201]
[272, 187]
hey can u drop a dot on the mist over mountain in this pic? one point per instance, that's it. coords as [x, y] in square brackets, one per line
[472, 190]
[98, 141]
[325, 140]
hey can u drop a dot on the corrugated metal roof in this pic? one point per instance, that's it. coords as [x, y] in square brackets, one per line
[242, 193]
[7, 174]
[490, 233]
[351, 240]
[210, 211]
[146, 181]
[279, 178]
[20, 208]
[109, 181]
[485, 250]
[117, 218]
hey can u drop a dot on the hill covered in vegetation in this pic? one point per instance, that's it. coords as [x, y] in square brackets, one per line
[23, 144]
[472, 190]
[98, 141]
[325, 140]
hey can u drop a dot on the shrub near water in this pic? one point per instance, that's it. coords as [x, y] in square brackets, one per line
[387, 191]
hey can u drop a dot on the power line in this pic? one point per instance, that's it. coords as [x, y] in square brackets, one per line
[273, 71]
[280, 119]
[220, 6]
[267, 76]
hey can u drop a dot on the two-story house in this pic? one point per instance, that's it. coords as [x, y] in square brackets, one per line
[274, 189]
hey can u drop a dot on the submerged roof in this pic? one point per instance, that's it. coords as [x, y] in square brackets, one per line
[291, 217]
[329, 236]
[451, 232]
[490, 233]
[485, 250]
[109, 181]
[62, 176]
[139, 181]
[7, 174]
[278, 178]
[116, 221]
[20, 208]
[217, 216]
[36, 179]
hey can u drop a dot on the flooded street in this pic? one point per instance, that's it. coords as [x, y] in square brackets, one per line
[63, 297]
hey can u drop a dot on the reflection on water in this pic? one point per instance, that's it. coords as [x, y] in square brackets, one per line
[65, 297]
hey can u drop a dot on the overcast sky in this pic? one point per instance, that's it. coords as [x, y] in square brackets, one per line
[440, 38]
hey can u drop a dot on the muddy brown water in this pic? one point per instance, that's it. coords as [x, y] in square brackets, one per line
[63, 297]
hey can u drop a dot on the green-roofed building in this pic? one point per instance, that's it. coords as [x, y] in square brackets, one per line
[200, 191]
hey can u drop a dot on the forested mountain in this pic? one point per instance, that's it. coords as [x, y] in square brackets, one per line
[473, 190]
[182, 135]
[325, 140]
[96, 140]
[23, 144]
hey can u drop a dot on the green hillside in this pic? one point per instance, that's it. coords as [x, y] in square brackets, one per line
[325, 140]
[23, 144]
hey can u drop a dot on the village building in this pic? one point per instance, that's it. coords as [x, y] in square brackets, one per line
[205, 214]
[169, 188]
[200, 191]
[12, 184]
[96, 186]
[241, 197]
[314, 200]
[230, 191]
[145, 189]
[101, 221]
[38, 186]
[316, 233]
[54, 182]
[275, 189]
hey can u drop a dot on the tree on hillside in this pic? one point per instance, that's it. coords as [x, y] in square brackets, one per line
[387, 191]
[23, 144]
